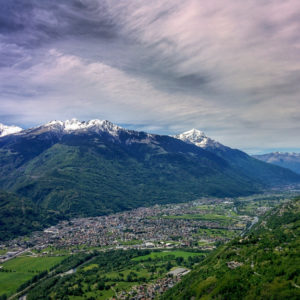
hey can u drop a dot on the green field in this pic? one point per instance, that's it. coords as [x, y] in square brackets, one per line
[9, 282]
[21, 269]
[32, 264]
[176, 253]
[210, 217]
[212, 233]
[132, 242]
[53, 251]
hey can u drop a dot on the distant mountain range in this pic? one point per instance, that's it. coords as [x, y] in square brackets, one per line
[286, 160]
[75, 168]
[238, 160]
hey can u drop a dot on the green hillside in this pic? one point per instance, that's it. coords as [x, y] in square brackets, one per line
[94, 173]
[261, 265]
[90, 175]
[19, 216]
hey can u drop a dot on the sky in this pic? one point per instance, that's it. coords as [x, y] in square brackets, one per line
[229, 68]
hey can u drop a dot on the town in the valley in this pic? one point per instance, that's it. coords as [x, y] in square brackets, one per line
[199, 224]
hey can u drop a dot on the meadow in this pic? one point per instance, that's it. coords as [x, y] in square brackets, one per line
[18, 270]
[209, 217]
[158, 255]
[9, 282]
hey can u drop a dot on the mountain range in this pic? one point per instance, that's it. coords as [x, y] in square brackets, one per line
[238, 160]
[283, 159]
[75, 168]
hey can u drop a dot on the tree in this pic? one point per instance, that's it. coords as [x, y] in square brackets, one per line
[179, 260]
[101, 285]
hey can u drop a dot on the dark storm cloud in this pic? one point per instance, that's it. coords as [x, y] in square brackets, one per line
[32, 23]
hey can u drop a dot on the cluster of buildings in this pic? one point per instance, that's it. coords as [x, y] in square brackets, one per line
[152, 290]
[160, 226]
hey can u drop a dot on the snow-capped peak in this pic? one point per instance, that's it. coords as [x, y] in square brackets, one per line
[92, 125]
[6, 130]
[193, 135]
[198, 138]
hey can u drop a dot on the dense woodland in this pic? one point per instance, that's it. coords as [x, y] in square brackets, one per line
[20, 216]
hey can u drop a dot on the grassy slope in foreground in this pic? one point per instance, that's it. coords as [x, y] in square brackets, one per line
[262, 265]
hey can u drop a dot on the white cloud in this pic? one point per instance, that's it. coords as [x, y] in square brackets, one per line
[231, 68]
[62, 84]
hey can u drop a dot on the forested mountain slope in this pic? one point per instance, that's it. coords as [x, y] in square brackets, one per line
[92, 168]
[264, 264]
[239, 161]
[19, 216]
[104, 168]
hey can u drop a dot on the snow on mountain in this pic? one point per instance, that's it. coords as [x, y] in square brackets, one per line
[76, 125]
[6, 130]
[198, 138]
[278, 156]
[59, 128]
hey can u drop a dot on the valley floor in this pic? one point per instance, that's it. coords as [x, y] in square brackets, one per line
[84, 250]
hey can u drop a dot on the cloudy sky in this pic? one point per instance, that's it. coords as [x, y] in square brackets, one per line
[230, 68]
